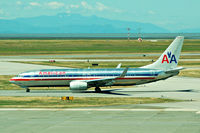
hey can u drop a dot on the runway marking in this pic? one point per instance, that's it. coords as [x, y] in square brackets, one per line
[134, 110]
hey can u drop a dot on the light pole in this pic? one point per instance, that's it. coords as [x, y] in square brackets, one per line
[128, 33]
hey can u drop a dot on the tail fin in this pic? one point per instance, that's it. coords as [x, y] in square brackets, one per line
[169, 59]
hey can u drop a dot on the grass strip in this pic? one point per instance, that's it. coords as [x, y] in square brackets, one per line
[34, 47]
[56, 102]
[190, 73]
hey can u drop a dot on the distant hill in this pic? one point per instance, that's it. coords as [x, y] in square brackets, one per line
[74, 23]
[190, 31]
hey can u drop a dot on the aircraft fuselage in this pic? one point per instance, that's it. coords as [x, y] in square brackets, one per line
[63, 77]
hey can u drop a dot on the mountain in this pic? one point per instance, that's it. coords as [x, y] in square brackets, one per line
[74, 23]
[190, 31]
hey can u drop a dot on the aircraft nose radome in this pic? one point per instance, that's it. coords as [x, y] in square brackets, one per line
[12, 80]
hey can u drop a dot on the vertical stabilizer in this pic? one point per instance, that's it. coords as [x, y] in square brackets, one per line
[169, 59]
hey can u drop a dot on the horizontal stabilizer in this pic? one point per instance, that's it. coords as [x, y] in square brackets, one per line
[174, 70]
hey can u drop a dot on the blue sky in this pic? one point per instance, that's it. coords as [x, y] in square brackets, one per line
[170, 14]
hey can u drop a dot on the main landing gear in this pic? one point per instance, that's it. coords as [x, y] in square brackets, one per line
[98, 90]
[27, 90]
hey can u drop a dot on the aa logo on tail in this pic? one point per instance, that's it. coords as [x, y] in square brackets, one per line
[169, 58]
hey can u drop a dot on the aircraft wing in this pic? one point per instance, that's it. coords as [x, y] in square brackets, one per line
[106, 81]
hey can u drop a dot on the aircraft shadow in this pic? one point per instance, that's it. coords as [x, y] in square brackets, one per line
[49, 91]
[119, 92]
[188, 90]
[110, 92]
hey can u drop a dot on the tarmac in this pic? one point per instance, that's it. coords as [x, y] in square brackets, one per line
[99, 121]
[13, 68]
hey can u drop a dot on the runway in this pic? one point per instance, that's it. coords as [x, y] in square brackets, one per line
[97, 109]
[99, 122]
[13, 68]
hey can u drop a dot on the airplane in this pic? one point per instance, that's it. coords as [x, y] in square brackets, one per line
[79, 80]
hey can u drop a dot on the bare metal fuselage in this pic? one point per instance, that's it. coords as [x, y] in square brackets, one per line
[63, 77]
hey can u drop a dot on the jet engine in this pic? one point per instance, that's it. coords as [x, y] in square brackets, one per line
[77, 86]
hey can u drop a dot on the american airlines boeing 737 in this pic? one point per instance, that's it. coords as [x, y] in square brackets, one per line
[82, 79]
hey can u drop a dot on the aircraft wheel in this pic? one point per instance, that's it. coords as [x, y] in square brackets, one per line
[27, 90]
[97, 90]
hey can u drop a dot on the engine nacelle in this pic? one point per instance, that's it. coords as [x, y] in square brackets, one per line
[78, 86]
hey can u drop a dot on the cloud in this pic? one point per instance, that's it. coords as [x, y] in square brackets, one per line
[2, 12]
[117, 10]
[74, 6]
[68, 11]
[34, 4]
[18, 2]
[55, 5]
[86, 5]
[71, 8]
[100, 6]
[151, 12]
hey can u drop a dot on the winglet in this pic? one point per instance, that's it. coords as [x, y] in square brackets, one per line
[119, 65]
[124, 73]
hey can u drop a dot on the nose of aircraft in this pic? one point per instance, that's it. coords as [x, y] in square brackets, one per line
[16, 81]
[12, 80]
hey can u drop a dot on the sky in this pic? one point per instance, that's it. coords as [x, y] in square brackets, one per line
[169, 14]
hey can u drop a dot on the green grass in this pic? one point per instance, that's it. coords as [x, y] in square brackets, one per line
[5, 84]
[31, 47]
[56, 102]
